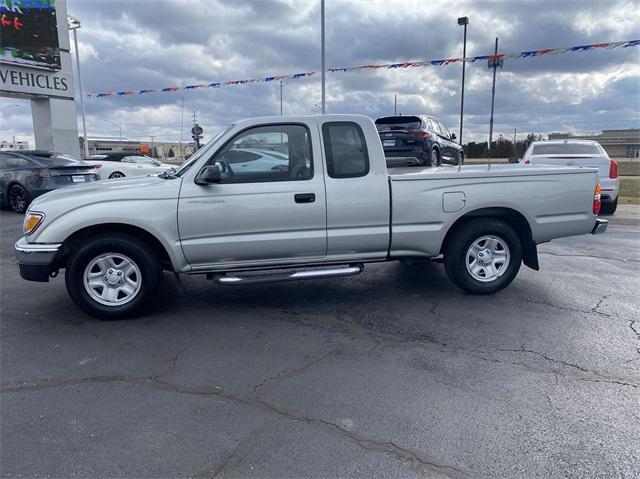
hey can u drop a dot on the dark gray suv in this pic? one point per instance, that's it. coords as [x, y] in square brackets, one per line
[410, 140]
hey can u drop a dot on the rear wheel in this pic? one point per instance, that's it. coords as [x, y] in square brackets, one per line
[434, 158]
[116, 174]
[609, 207]
[483, 256]
[18, 198]
[113, 277]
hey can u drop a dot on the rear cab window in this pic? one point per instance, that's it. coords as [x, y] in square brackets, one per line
[345, 150]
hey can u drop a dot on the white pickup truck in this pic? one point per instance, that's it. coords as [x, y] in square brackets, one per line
[289, 198]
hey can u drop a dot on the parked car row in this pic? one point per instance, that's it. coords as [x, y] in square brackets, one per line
[27, 174]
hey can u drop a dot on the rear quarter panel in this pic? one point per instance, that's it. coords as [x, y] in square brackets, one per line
[555, 202]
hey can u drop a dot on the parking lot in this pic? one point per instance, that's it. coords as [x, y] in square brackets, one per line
[393, 373]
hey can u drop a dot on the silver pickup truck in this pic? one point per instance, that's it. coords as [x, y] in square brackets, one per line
[289, 198]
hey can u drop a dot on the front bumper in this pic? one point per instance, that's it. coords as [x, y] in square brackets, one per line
[35, 260]
[600, 226]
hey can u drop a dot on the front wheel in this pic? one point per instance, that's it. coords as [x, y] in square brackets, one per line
[116, 174]
[483, 256]
[113, 276]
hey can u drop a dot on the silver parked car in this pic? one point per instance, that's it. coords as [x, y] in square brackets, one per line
[579, 153]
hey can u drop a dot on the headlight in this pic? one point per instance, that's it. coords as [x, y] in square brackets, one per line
[31, 222]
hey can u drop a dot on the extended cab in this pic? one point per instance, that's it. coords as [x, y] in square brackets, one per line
[288, 198]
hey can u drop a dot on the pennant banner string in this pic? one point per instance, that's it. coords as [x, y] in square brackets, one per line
[387, 66]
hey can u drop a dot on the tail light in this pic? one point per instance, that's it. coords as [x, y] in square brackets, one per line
[97, 166]
[613, 169]
[43, 173]
[526, 162]
[419, 133]
[597, 202]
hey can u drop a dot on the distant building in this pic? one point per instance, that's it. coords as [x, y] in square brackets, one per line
[157, 149]
[13, 145]
[617, 143]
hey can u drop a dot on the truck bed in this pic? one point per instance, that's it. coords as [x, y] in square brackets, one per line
[426, 201]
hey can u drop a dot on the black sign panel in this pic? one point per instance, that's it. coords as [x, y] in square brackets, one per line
[29, 33]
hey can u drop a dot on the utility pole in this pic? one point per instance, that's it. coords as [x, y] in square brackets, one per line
[463, 21]
[152, 137]
[322, 54]
[181, 127]
[493, 63]
[514, 142]
[280, 97]
[395, 104]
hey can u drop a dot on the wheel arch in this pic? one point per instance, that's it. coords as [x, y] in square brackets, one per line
[77, 238]
[513, 218]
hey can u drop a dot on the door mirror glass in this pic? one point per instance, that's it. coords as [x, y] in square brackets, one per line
[453, 136]
[209, 175]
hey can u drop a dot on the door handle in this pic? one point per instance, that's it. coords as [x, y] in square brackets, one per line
[305, 197]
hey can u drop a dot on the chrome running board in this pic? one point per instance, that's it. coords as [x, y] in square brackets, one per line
[292, 275]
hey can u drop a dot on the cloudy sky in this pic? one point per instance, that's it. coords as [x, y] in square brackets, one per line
[159, 43]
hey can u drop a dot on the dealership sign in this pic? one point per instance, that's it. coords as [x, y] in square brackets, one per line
[28, 81]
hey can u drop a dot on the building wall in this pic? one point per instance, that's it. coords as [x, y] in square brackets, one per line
[162, 148]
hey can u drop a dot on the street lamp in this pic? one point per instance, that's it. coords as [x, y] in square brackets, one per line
[73, 24]
[463, 21]
[322, 54]
[118, 125]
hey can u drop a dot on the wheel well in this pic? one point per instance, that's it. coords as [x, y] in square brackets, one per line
[511, 217]
[78, 238]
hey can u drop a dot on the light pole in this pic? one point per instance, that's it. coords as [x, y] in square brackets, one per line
[119, 125]
[74, 24]
[493, 63]
[322, 53]
[463, 21]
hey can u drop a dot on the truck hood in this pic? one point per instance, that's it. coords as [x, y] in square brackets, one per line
[121, 189]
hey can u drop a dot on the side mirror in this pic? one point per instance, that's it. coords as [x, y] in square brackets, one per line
[209, 175]
[453, 136]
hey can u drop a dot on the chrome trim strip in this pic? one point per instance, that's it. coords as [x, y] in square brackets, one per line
[292, 276]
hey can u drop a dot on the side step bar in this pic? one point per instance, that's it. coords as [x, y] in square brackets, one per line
[293, 275]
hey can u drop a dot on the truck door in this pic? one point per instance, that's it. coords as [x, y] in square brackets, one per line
[357, 191]
[268, 207]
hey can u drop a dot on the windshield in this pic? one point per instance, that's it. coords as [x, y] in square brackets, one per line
[197, 155]
[566, 149]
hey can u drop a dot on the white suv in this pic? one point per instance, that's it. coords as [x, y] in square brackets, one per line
[579, 153]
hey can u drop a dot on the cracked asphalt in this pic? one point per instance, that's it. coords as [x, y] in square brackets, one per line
[393, 373]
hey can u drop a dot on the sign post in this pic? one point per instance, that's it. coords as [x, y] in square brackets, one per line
[35, 64]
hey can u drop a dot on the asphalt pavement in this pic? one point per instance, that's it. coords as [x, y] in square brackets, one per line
[393, 373]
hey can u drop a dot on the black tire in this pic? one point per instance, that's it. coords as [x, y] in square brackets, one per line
[609, 207]
[434, 157]
[459, 243]
[18, 199]
[117, 174]
[140, 254]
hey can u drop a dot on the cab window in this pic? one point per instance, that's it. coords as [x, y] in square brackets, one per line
[345, 149]
[267, 153]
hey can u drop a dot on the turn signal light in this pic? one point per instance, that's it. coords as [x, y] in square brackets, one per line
[613, 169]
[597, 203]
[31, 222]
